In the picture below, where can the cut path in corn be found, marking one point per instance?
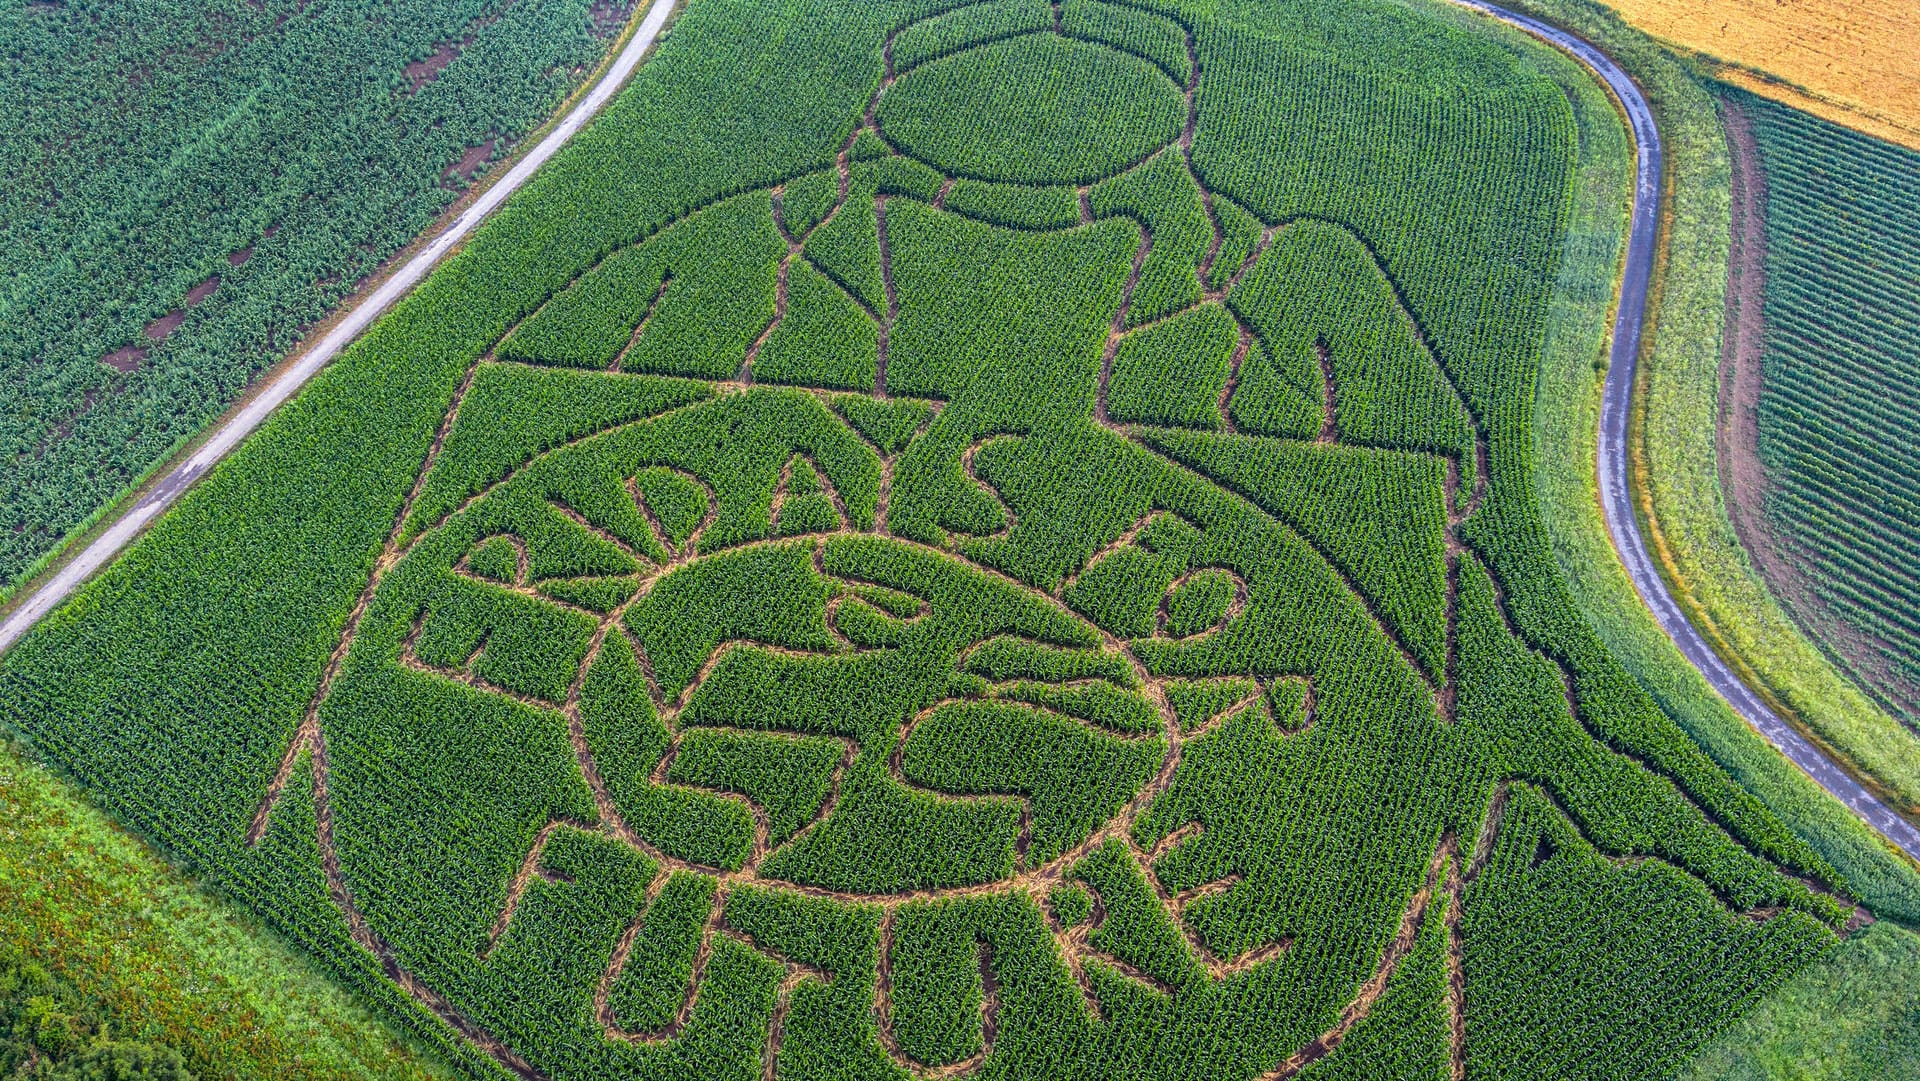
(1616, 499)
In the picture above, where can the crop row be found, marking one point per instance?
(190, 190)
(1835, 415)
(832, 805)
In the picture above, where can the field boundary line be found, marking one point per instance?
(355, 321)
(1611, 465)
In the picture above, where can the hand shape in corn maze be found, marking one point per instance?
(990, 524)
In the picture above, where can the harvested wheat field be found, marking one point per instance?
(1854, 62)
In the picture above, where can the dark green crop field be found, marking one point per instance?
(191, 185)
(946, 540)
(1841, 392)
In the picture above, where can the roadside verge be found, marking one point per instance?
(1568, 399)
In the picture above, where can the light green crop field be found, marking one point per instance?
(1834, 415)
(165, 962)
(821, 586)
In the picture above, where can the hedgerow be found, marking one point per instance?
(991, 711)
(49, 1030)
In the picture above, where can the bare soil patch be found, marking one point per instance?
(421, 72)
(608, 16)
(126, 358)
(202, 291)
(470, 163)
(1737, 436)
(160, 328)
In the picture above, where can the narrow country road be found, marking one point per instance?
(1612, 464)
(357, 319)
(1615, 408)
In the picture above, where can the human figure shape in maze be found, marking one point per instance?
(996, 512)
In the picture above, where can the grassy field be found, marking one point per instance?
(1849, 61)
(191, 188)
(819, 584)
(1852, 1015)
(165, 961)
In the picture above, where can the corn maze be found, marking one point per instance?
(1029, 570)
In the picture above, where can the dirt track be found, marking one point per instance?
(1617, 406)
(230, 434)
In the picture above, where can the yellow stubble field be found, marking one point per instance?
(1855, 62)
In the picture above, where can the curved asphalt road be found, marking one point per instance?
(1612, 465)
(1613, 418)
(229, 435)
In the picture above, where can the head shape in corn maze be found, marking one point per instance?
(988, 602)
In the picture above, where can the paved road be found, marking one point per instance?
(1617, 404)
(1613, 419)
(122, 532)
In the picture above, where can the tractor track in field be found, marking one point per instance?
(228, 436)
(1616, 409)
